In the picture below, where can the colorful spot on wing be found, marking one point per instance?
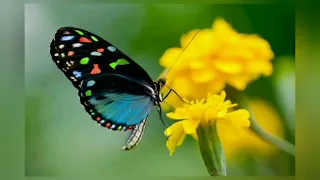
(94, 38)
(76, 74)
(113, 126)
(84, 61)
(111, 48)
(108, 125)
(96, 69)
(100, 50)
(88, 93)
(118, 62)
(70, 53)
(56, 54)
(90, 83)
(91, 110)
(98, 118)
(62, 55)
(85, 40)
(120, 127)
(67, 38)
(94, 53)
(61, 46)
(79, 32)
(75, 45)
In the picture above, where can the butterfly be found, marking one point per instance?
(113, 89)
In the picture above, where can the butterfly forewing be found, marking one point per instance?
(113, 89)
(79, 54)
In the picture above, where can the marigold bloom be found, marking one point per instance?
(217, 56)
(215, 109)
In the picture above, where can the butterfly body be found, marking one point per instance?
(113, 89)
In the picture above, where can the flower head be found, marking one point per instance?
(215, 109)
(217, 56)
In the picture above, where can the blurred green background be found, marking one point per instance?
(61, 138)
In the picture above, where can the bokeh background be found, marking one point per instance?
(62, 140)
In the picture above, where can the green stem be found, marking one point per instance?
(211, 149)
(271, 139)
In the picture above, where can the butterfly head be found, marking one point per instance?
(158, 87)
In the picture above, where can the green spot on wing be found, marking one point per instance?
(88, 93)
(84, 60)
(94, 38)
(63, 55)
(79, 32)
(118, 62)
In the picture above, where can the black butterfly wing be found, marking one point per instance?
(113, 89)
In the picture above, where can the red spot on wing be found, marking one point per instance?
(100, 50)
(98, 118)
(85, 40)
(108, 125)
(96, 69)
(70, 53)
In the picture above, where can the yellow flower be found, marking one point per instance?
(268, 119)
(215, 109)
(217, 56)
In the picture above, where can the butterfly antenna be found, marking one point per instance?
(168, 70)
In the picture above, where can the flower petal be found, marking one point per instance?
(176, 136)
(228, 66)
(239, 117)
(190, 126)
(179, 114)
(169, 57)
(203, 75)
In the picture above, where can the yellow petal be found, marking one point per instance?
(169, 57)
(183, 85)
(260, 67)
(222, 28)
(198, 63)
(240, 82)
(202, 44)
(239, 117)
(179, 114)
(190, 126)
(202, 75)
(194, 135)
(228, 66)
(176, 136)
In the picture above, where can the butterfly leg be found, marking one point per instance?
(160, 114)
(172, 90)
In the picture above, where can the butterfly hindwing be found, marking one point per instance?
(113, 89)
(114, 107)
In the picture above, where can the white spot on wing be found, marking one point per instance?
(111, 48)
(94, 53)
(75, 45)
(90, 83)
